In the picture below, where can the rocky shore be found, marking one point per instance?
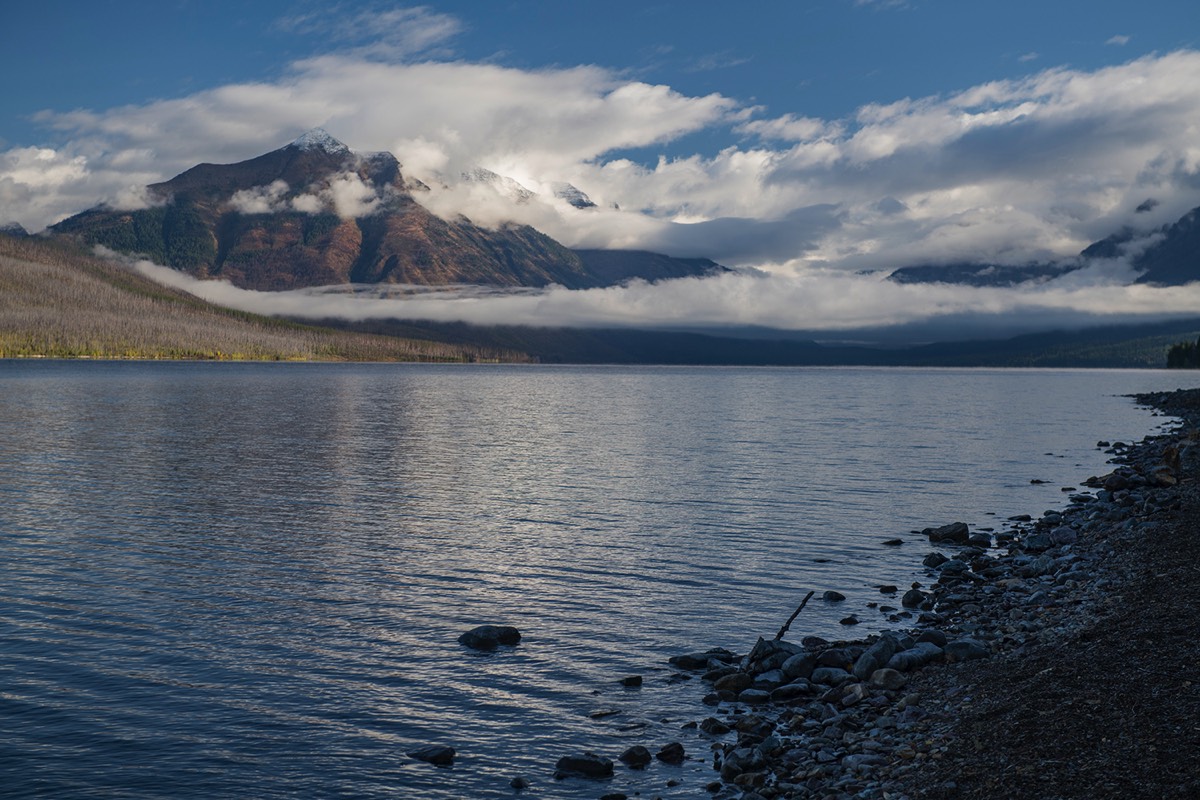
(1055, 658)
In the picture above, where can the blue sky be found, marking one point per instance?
(794, 139)
(821, 58)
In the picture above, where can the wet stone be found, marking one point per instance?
(636, 757)
(587, 765)
(754, 697)
(489, 637)
(437, 755)
(672, 753)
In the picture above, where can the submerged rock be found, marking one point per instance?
(587, 765)
(489, 637)
(438, 755)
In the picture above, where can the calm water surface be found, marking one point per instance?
(248, 580)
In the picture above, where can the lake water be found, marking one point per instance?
(240, 580)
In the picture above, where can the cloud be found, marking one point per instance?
(814, 301)
(1027, 57)
(791, 128)
(1119, 40)
(1006, 171)
(379, 32)
(260, 199)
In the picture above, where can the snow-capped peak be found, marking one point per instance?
(503, 184)
(319, 139)
(565, 191)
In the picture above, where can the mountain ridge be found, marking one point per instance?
(316, 213)
(1171, 258)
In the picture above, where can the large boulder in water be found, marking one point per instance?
(954, 533)
(587, 765)
(488, 637)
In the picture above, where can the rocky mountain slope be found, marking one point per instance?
(316, 213)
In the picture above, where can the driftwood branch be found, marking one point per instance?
(792, 618)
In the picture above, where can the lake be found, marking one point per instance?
(247, 580)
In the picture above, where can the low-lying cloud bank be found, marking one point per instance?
(816, 301)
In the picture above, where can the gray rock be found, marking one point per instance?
(833, 597)
(672, 753)
(1063, 535)
(588, 765)
(438, 755)
(913, 598)
(631, 682)
(934, 636)
(800, 665)
(519, 783)
(861, 761)
(698, 661)
(1038, 542)
(710, 725)
(875, 657)
(488, 637)
(1116, 482)
(714, 675)
(955, 533)
(855, 694)
(954, 567)
(772, 679)
(830, 676)
(754, 697)
(965, 650)
(741, 760)
(736, 682)
(637, 757)
(915, 657)
(1042, 565)
(934, 560)
(800, 690)
(889, 679)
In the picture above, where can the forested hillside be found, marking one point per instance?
(59, 302)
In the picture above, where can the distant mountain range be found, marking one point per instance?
(315, 213)
(1172, 258)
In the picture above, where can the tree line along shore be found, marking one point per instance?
(57, 301)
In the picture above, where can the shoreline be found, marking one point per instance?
(1011, 683)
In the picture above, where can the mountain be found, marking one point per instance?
(1175, 259)
(1172, 259)
(574, 196)
(316, 213)
(969, 274)
(618, 266)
